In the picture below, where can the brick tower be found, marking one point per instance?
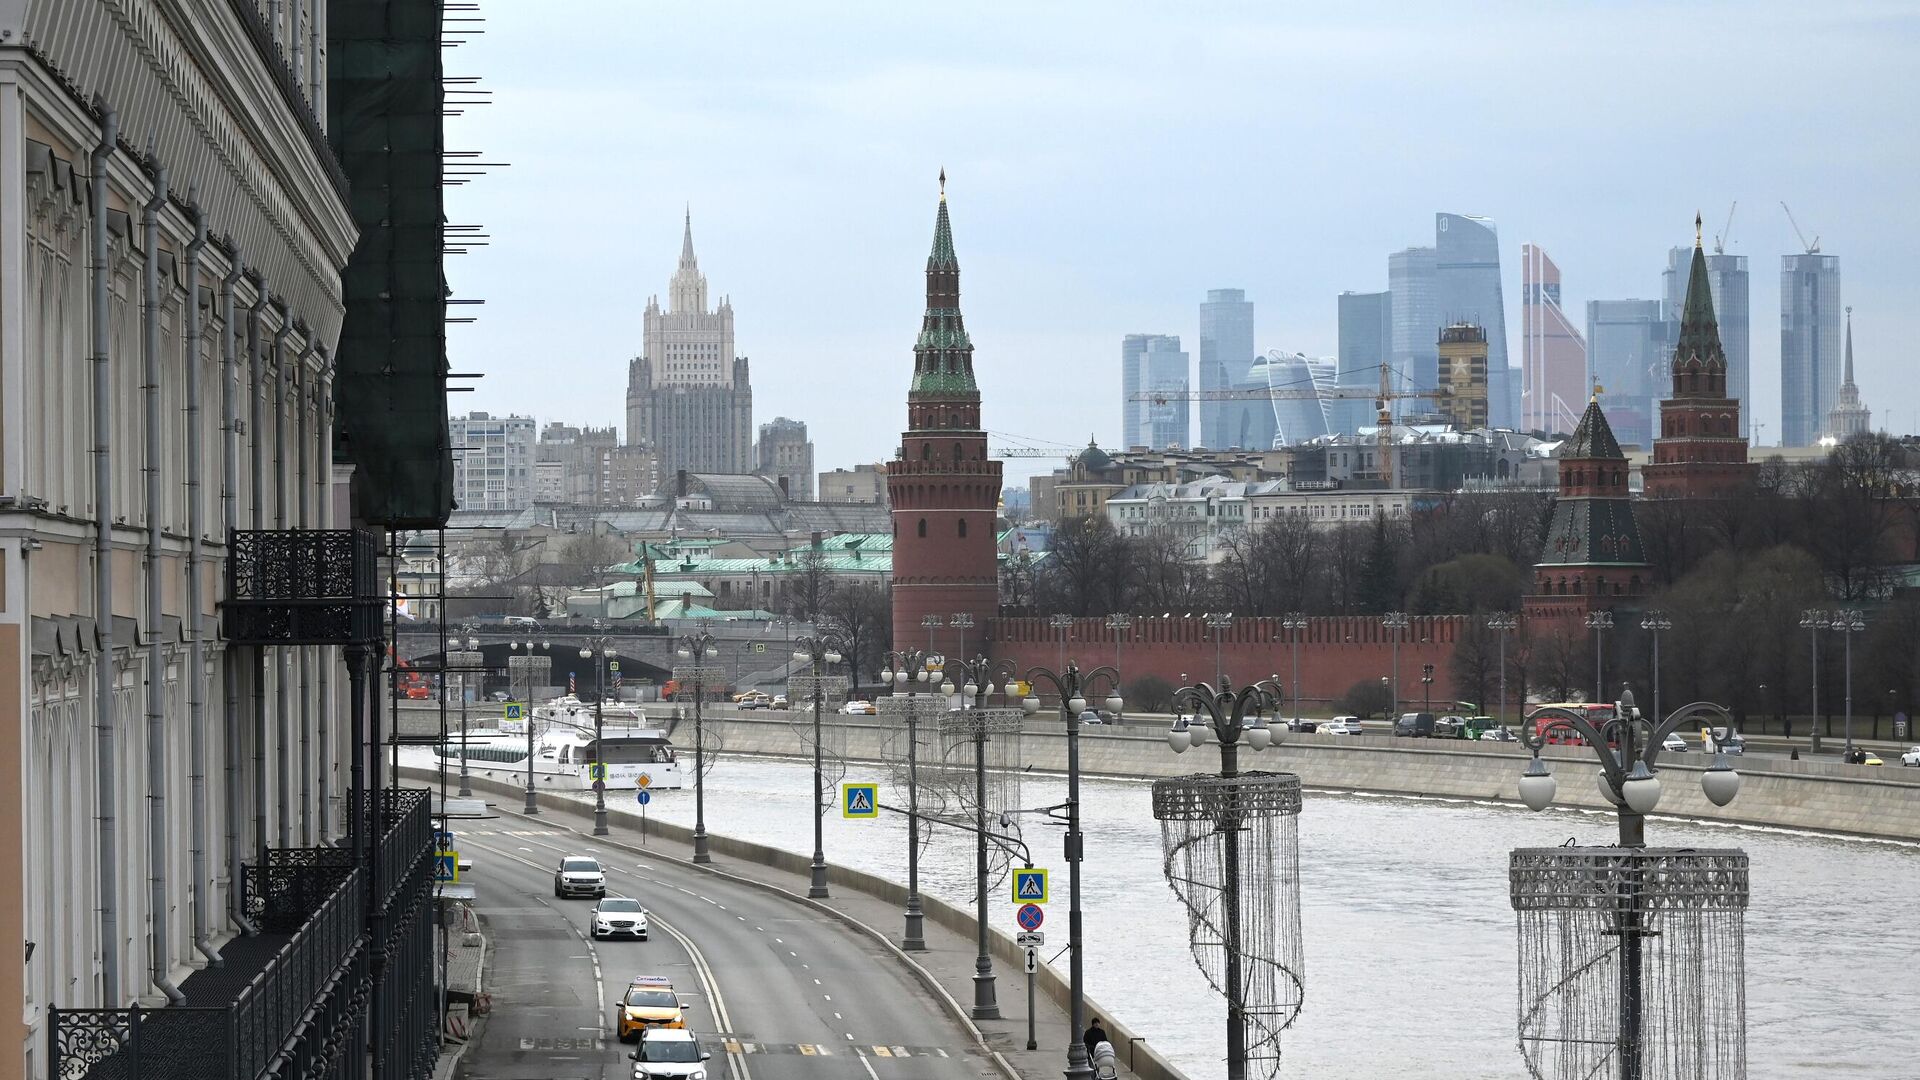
(1592, 558)
(1700, 452)
(944, 488)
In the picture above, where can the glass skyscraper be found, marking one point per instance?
(1226, 362)
(1810, 349)
(1467, 278)
(1727, 277)
(1414, 298)
(1366, 338)
(1628, 355)
(1297, 419)
(1150, 362)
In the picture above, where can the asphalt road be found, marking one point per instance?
(777, 990)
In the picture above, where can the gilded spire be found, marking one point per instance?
(943, 183)
(1696, 230)
(1848, 378)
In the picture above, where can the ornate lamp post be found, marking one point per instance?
(1062, 623)
(820, 649)
(1503, 623)
(696, 647)
(1119, 624)
(933, 623)
(527, 665)
(1593, 919)
(907, 670)
(1848, 622)
(466, 661)
(979, 725)
(1599, 622)
(1395, 621)
(1072, 685)
(1814, 620)
(962, 622)
(1295, 622)
(1655, 622)
(597, 650)
(1218, 621)
(1249, 950)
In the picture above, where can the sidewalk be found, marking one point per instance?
(948, 962)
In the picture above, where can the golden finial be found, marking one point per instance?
(1696, 228)
(943, 183)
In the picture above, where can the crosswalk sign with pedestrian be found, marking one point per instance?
(860, 800)
(1030, 886)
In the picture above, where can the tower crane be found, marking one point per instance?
(1720, 238)
(1383, 398)
(1812, 248)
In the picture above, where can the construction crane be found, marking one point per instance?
(1032, 451)
(1720, 238)
(1812, 248)
(1383, 398)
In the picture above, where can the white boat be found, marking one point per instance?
(565, 747)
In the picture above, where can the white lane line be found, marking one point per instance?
(762, 929)
(816, 982)
(864, 1063)
(837, 1016)
(829, 997)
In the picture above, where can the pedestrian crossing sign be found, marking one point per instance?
(1029, 886)
(446, 866)
(860, 800)
(597, 771)
(513, 711)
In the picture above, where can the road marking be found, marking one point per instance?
(865, 1064)
(829, 997)
(816, 982)
(837, 1016)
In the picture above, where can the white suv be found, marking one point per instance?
(579, 875)
(1342, 725)
(669, 1052)
(1911, 757)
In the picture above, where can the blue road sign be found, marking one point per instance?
(645, 796)
(446, 866)
(513, 711)
(860, 800)
(1030, 886)
(1030, 916)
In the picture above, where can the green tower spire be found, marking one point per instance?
(943, 354)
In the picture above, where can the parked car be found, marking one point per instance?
(1911, 757)
(618, 916)
(1414, 725)
(579, 875)
(1342, 725)
(1674, 744)
(858, 708)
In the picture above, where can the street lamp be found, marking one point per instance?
(1395, 621)
(695, 647)
(1295, 622)
(819, 649)
(1655, 621)
(1814, 620)
(1218, 621)
(1426, 683)
(933, 623)
(907, 670)
(1205, 821)
(466, 661)
(1503, 623)
(979, 725)
(528, 664)
(1119, 624)
(1599, 622)
(962, 622)
(598, 651)
(1072, 684)
(1690, 900)
(1062, 623)
(1849, 622)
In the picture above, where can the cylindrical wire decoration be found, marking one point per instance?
(925, 710)
(713, 733)
(1632, 962)
(970, 738)
(833, 726)
(1231, 852)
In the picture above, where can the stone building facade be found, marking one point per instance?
(689, 396)
(1700, 451)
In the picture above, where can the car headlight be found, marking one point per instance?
(697, 1074)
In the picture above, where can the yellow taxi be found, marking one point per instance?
(648, 1002)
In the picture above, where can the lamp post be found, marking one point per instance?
(597, 650)
(527, 664)
(933, 623)
(1061, 623)
(962, 622)
(981, 674)
(907, 670)
(1655, 622)
(466, 661)
(820, 649)
(1119, 624)
(695, 647)
(1814, 620)
(1848, 622)
(1426, 683)
(1599, 622)
(1295, 622)
(1706, 883)
(1226, 806)
(1072, 684)
(1503, 623)
(1395, 621)
(1218, 621)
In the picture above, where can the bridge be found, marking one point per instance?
(753, 653)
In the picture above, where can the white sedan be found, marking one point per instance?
(858, 708)
(1674, 744)
(1911, 757)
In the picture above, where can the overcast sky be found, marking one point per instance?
(1110, 162)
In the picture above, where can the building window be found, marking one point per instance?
(963, 528)
(923, 526)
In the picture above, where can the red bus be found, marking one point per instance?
(1591, 713)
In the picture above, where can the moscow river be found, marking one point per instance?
(1410, 939)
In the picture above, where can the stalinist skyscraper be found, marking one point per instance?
(688, 395)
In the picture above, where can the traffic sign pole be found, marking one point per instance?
(1032, 1043)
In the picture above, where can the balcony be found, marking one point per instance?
(302, 587)
(292, 1000)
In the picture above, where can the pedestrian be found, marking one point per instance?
(1094, 1037)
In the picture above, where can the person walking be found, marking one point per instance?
(1094, 1037)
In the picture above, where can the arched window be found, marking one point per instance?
(963, 528)
(956, 451)
(926, 451)
(923, 527)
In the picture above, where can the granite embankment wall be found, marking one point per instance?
(1815, 795)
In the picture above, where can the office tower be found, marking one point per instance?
(1366, 337)
(1727, 276)
(1849, 415)
(1466, 265)
(1297, 418)
(688, 395)
(1226, 361)
(1810, 350)
(1149, 363)
(1700, 452)
(1627, 352)
(1463, 374)
(1413, 289)
(786, 457)
(1553, 354)
(492, 461)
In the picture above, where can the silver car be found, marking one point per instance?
(579, 875)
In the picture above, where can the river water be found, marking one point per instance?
(1410, 939)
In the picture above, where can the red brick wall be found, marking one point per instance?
(1335, 651)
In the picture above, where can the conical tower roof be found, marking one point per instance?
(1699, 349)
(1594, 437)
(943, 354)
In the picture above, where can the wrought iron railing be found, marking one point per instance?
(302, 587)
